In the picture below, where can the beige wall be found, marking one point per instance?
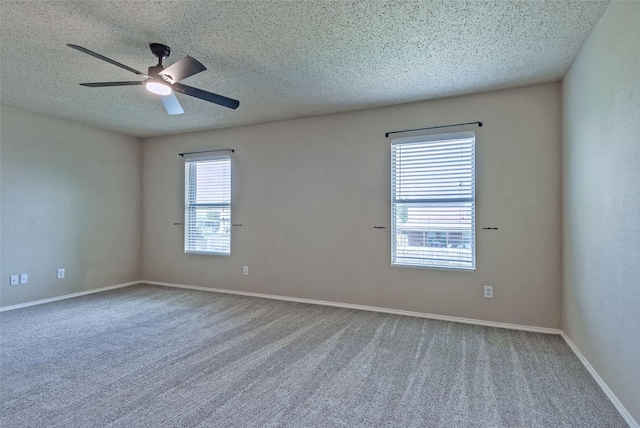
(70, 198)
(309, 192)
(601, 174)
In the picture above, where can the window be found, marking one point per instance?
(207, 205)
(433, 201)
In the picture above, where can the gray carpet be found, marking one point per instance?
(148, 356)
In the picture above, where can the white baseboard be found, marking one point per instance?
(67, 296)
(364, 308)
(605, 388)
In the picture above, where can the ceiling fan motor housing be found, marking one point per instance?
(154, 70)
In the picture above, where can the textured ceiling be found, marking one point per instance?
(281, 59)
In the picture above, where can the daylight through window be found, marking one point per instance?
(208, 205)
(433, 201)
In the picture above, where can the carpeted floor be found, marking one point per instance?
(148, 356)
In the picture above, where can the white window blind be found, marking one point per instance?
(208, 205)
(433, 201)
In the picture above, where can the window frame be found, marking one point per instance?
(190, 206)
(397, 233)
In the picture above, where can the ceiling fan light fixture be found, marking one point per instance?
(158, 88)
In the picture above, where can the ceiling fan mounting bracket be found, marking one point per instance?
(160, 51)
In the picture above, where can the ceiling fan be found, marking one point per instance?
(165, 81)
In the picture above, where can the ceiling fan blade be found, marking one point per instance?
(182, 69)
(104, 84)
(207, 96)
(171, 104)
(104, 58)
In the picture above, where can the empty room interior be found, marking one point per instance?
(284, 239)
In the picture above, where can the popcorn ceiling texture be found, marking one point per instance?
(281, 59)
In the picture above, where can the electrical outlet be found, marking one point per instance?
(245, 270)
(15, 279)
(24, 278)
(488, 291)
(60, 273)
